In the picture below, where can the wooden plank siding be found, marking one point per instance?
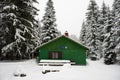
(68, 49)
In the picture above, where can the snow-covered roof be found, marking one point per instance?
(58, 38)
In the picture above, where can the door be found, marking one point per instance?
(55, 55)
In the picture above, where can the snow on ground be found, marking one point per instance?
(94, 70)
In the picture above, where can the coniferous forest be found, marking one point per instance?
(101, 32)
(21, 32)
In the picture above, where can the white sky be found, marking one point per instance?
(70, 13)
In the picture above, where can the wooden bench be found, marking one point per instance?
(54, 62)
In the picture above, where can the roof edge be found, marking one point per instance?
(48, 42)
(76, 42)
(58, 38)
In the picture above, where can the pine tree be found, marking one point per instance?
(6, 32)
(83, 34)
(49, 30)
(38, 31)
(92, 30)
(101, 21)
(6, 21)
(108, 43)
(17, 16)
(116, 30)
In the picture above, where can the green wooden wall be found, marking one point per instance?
(70, 50)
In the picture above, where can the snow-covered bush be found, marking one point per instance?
(110, 58)
(93, 56)
(22, 75)
(19, 72)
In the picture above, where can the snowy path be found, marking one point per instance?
(95, 70)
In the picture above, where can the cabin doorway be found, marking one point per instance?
(55, 55)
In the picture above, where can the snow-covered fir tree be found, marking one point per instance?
(6, 32)
(17, 18)
(83, 34)
(37, 33)
(116, 30)
(92, 41)
(49, 27)
(101, 21)
(109, 41)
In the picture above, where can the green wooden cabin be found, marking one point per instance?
(63, 48)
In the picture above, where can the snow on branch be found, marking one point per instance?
(47, 37)
(7, 48)
(18, 34)
(6, 7)
(27, 3)
(11, 15)
(117, 48)
(10, 7)
(15, 21)
(26, 29)
(14, 6)
(27, 21)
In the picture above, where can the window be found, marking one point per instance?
(55, 55)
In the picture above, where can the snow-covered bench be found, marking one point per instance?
(54, 62)
(54, 65)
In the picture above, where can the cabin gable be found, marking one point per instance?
(65, 49)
